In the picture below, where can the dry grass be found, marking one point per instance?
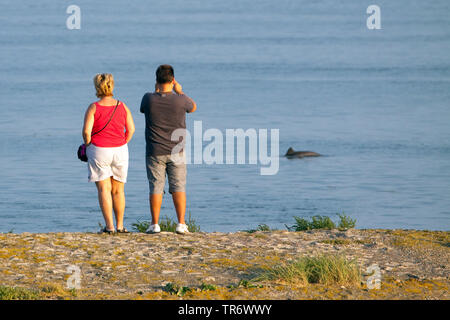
(420, 238)
(324, 269)
(345, 242)
(15, 293)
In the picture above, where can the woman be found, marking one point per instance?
(108, 127)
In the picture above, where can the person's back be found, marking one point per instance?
(108, 127)
(165, 111)
(110, 123)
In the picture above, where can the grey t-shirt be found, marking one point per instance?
(164, 113)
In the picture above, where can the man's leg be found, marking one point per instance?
(118, 200)
(155, 206)
(105, 201)
(176, 172)
(179, 201)
(156, 174)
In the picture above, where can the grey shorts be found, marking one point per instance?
(157, 166)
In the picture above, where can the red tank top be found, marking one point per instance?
(114, 133)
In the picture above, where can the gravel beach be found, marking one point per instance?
(413, 264)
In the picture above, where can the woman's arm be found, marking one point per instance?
(129, 125)
(88, 124)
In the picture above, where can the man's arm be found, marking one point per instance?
(144, 102)
(193, 104)
(179, 90)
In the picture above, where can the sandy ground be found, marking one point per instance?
(413, 264)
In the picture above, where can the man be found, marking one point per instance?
(165, 111)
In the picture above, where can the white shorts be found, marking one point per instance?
(104, 163)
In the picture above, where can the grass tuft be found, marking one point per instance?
(322, 222)
(14, 293)
(176, 289)
(317, 222)
(208, 287)
(345, 222)
(261, 227)
(140, 226)
(167, 224)
(324, 269)
(245, 284)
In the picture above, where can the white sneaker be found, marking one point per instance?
(182, 228)
(154, 228)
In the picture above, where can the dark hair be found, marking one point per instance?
(164, 74)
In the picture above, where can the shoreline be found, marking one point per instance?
(413, 264)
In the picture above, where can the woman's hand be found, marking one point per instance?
(129, 125)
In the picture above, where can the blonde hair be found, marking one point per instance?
(104, 84)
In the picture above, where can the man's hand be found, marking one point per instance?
(177, 87)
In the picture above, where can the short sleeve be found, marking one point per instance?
(144, 103)
(188, 104)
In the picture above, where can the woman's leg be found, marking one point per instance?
(118, 199)
(105, 201)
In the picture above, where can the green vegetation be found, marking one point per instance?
(261, 227)
(346, 242)
(176, 289)
(322, 222)
(317, 222)
(166, 224)
(248, 284)
(14, 293)
(245, 284)
(180, 291)
(140, 226)
(73, 292)
(208, 287)
(324, 269)
(345, 222)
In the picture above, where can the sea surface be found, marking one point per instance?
(375, 103)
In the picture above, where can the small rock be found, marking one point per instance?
(168, 272)
(341, 235)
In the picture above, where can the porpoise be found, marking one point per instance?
(292, 154)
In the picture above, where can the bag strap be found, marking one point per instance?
(108, 120)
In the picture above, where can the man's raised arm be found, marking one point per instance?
(179, 90)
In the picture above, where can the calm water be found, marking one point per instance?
(376, 103)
